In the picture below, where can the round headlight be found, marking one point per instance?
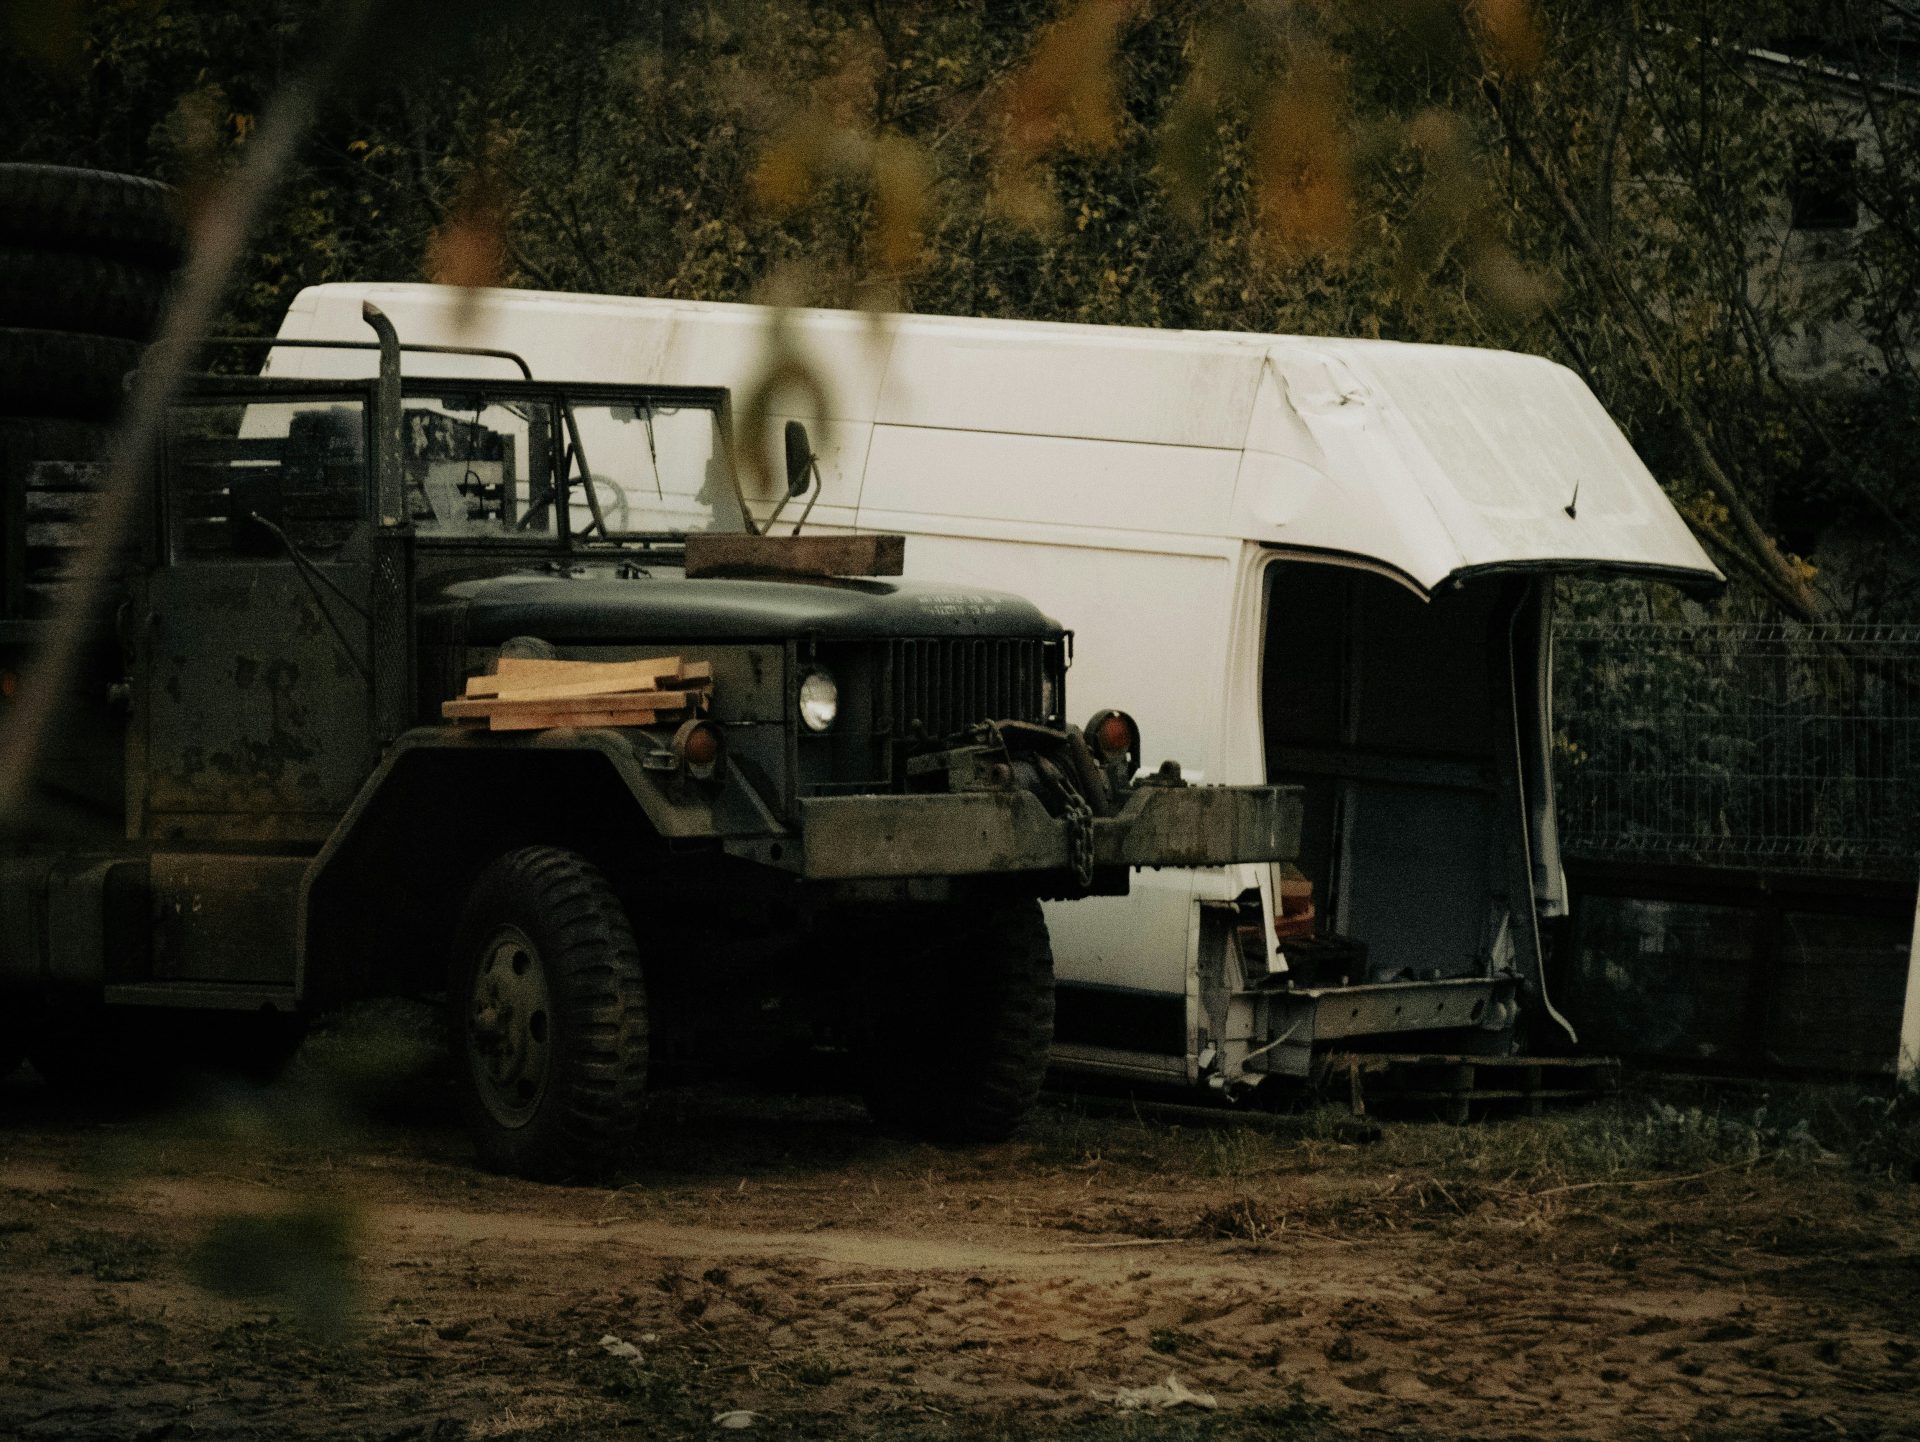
(819, 700)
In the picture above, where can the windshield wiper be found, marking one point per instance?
(653, 455)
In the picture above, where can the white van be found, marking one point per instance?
(1325, 562)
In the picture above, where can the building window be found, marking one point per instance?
(1822, 189)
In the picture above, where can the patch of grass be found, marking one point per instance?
(1402, 1201)
(534, 1416)
(1666, 1126)
(272, 1344)
(1061, 1138)
(1296, 1420)
(105, 1256)
(1881, 1132)
(303, 1256)
(1232, 1154)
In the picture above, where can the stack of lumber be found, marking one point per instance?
(525, 694)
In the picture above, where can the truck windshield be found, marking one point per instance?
(484, 465)
(654, 468)
(479, 467)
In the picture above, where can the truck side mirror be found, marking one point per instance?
(799, 458)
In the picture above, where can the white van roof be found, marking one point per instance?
(1437, 462)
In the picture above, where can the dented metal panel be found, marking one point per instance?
(1201, 826)
(252, 703)
(977, 832)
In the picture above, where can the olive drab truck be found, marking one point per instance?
(447, 676)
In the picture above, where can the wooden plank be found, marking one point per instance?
(526, 678)
(1498, 1094)
(712, 554)
(1382, 1061)
(636, 702)
(537, 720)
(615, 675)
(562, 690)
(540, 666)
(575, 690)
(692, 673)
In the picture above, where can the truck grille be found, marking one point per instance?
(937, 687)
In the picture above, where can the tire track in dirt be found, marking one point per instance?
(898, 1297)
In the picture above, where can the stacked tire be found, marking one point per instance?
(85, 261)
(86, 258)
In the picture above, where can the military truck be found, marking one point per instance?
(850, 841)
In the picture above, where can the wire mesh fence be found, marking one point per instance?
(1779, 746)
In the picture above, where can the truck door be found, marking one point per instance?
(252, 680)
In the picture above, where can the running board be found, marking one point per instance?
(202, 995)
(1141, 1066)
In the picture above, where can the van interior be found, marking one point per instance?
(1396, 714)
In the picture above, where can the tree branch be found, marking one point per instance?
(1638, 326)
(1602, 206)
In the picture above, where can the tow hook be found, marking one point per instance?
(1167, 775)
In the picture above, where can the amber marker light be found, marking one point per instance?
(699, 747)
(1114, 734)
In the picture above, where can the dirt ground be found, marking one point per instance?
(254, 1266)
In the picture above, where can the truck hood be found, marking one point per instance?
(597, 604)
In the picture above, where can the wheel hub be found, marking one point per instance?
(509, 1030)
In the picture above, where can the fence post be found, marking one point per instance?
(1907, 1068)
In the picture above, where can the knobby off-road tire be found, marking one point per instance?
(25, 440)
(100, 1055)
(13, 1040)
(959, 1020)
(549, 1016)
(93, 294)
(98, 212)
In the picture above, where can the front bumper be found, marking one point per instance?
(845, 838)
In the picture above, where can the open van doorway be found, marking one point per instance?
(1402, 718)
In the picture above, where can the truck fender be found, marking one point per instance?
(376, 902)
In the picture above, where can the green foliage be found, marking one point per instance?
(1885, 1131)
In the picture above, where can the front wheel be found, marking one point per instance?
(958, 1019)
(549, 1016)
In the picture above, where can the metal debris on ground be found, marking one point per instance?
(1162, 1395)
(615, 1347)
